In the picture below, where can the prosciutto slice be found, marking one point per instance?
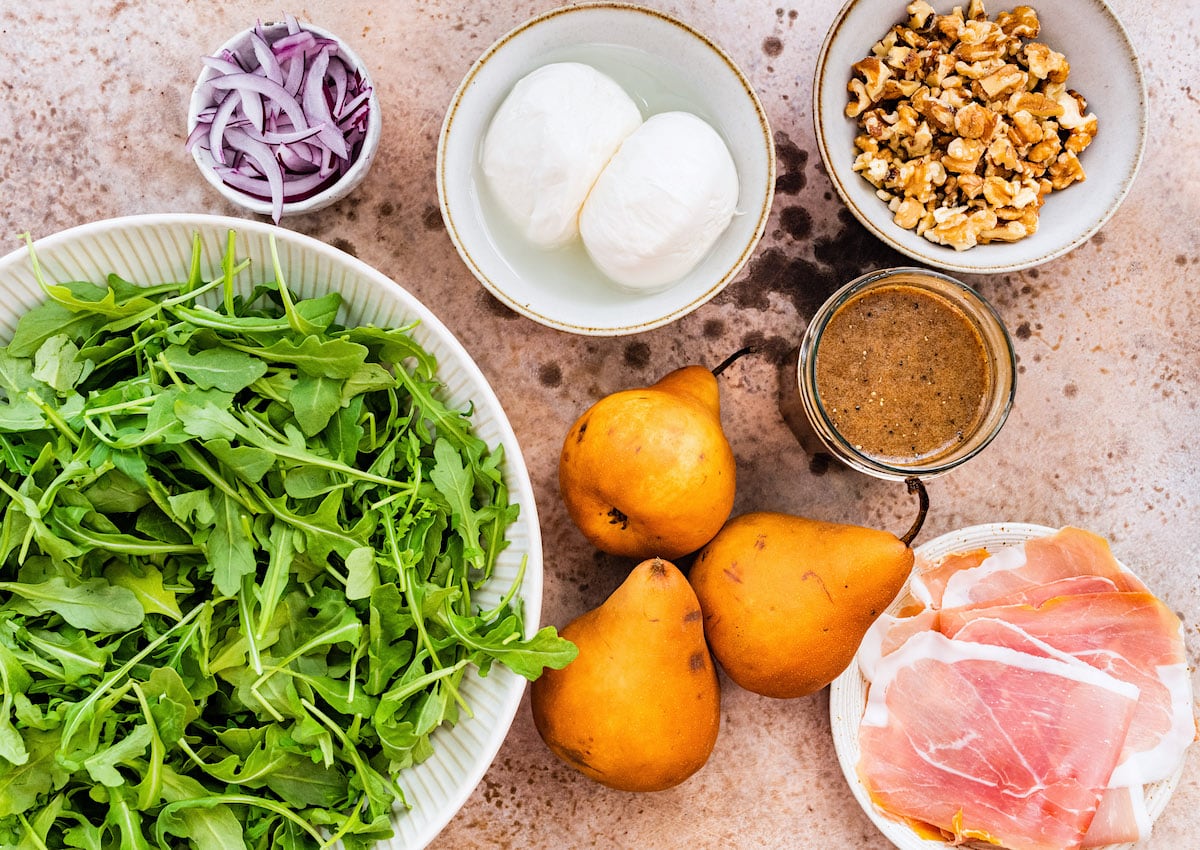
(985, 742)
(1121, 819)
(1024, 572)
(1131, 636)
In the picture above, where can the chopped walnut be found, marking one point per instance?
(966, 123)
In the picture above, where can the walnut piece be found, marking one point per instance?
(967, 123)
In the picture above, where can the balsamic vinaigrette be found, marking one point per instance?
(902, 373)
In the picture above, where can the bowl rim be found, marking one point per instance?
(878, 225)
(510, 687)
(461, 244)
(331, 193)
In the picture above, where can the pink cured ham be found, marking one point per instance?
(1121, 819)
(888, 633)
(1131, 636)
(929, 577)
(985, 742)
(1021, 573)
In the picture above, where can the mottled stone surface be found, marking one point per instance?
(1103, 434)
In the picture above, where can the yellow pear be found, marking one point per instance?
(640, 706)
(787, 600)
(649, 472)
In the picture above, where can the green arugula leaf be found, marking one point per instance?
(215, 368)
(94, 605)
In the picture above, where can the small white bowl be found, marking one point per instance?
(664, 64)
(1104, 69)
(350, 179)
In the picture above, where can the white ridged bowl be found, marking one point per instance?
(155, 248)
(848, 695)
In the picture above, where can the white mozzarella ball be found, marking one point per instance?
(549, 140)
(666, 196)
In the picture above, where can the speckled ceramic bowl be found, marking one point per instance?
(664, 64)
(1104, 68)
(240, 46)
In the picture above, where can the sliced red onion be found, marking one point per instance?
(297, 158)
(266, 58)
(298, 186)
(315, 105)
(278, 137)
(290, 125)
(220, 122)
(264, 159)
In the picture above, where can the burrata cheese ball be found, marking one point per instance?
(548, 142)
(662, 202)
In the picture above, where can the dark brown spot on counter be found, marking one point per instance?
(797, 222)
(772, 46)
(1023, 331)
(637, 355)
(1070, 390)
(495, 306)
(550, 375)
(791, 159)
(344, 245)
(432, 217)
(713, 328)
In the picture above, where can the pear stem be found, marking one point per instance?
(729, 361)
(915, 486)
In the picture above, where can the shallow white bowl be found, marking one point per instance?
(848, 694)
(348, 182)
(1104, 69)
(156, 248)
(664, 64)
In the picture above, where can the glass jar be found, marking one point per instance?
(906, 372)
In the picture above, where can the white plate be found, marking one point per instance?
(156, 248)
(848, 694)
(663, 64)
(1104, 69)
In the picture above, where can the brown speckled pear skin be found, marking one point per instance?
(649, 472)
(640, 706)
(787, 600)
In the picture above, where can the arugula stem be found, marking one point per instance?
(240, 800)
(243, 600)
(36, 841)
(311, 459)
(152, 786)
(77, 711)
(415, 686)
(509, 594)
(201, 465)
(54, 418)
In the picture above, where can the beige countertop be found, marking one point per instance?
(1103, 434)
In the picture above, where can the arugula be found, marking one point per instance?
(239, 545)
